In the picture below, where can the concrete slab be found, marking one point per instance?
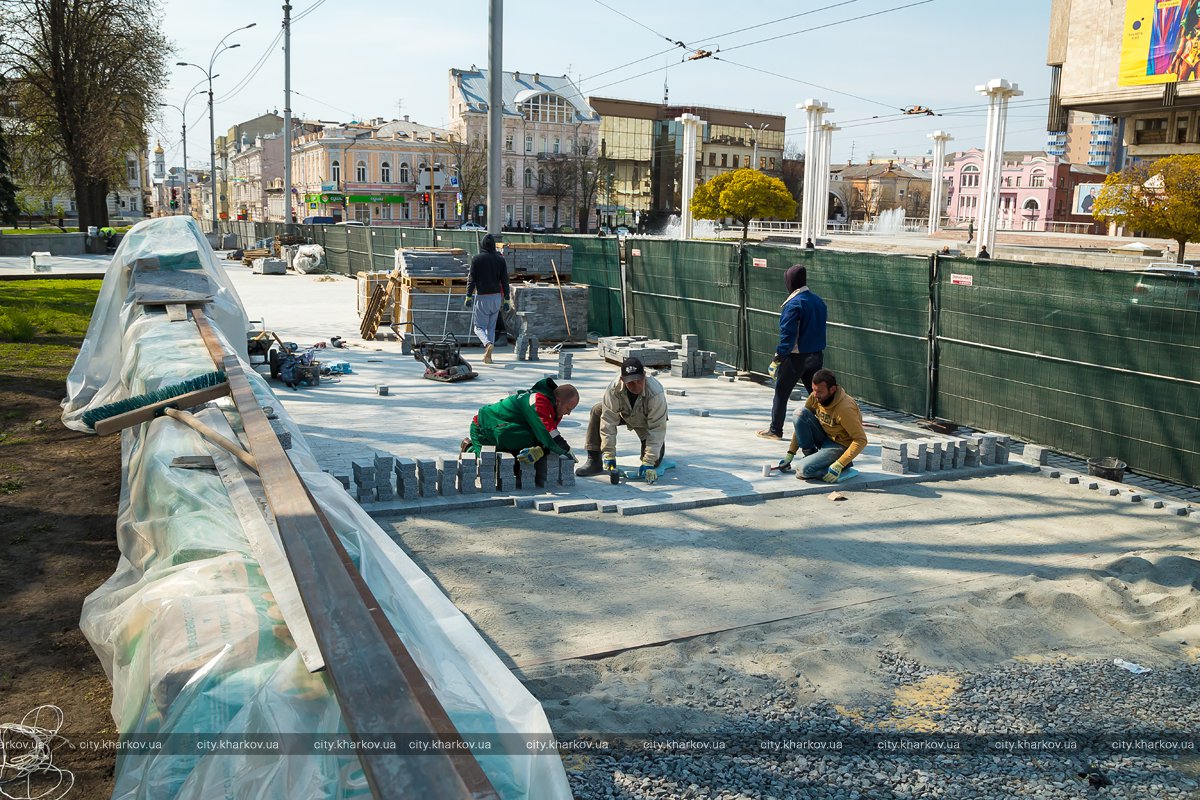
(542, 590)
(82, 266)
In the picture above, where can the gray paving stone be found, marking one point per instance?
(505, 480)
(1051, 472)
(571, 506)
(544, 505)
(1035, 454)
(566, 471)
(468, 473)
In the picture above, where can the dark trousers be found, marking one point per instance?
(794, 368)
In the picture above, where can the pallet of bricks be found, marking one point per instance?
(536, 261)
(432, 283)
(547, 307)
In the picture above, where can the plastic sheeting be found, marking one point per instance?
(187, 628)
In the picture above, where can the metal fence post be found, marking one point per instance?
(934, 314)
(743, 326)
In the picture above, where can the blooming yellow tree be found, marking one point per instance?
(743, 194)
(1161, 198)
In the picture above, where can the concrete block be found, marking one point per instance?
(566, 471)
(1092, 484)
(608, 508)
(506, 481)
(987, 449)
(1036, 454)
(571, 506)
(544, 505)
(427, 477)
(690, 342)
(1111, 491)
(384, 464)
(406, 343)
(698, 412)
(1002, 450)
(1179, 511)
(381, 390)
(468, 473)
(677, 392)
(1072, 480)
(344, 480)
(948, 450)
(487, 469)
(364, 471)
(364, 495)
(974, 443)
(895, 467)
(525, 476)
(408, 487)
(1050, 472)
(1132, 497)
(385, 492)
(534, 346)
(447, 476)
(934, 449)
(523, 502)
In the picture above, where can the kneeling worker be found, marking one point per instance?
(828, 430)
(639, 403)
(526, 424)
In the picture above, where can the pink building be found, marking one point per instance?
(1035, 191)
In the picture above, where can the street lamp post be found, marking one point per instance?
(212, 132)
(183, 113)
(754, 140)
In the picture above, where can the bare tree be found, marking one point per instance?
(588, 170)
(557, 180)
(470, 160)
(87, 75)
(793, 172)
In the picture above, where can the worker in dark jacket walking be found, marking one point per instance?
(487, 291)
(800, 352)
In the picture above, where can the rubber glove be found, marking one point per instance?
(468, 300)
(835, 472)
(530, 454)
(507, 304)
(785, 463)
(650, 474)
(771, 370)
(609, 463)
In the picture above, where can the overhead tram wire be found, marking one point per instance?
(828, 25)
(635, 22)
(322, 102)
(717, 57)
(717, 36)
(307, 11)
(262, 62)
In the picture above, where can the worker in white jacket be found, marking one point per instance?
(638, 402)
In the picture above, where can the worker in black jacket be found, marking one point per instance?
(488, 280)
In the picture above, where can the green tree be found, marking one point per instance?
(87, 76)
(9, 210)
(1161, 198)
(743, 194)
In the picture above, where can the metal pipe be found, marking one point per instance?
(288, 216)
(496, 113)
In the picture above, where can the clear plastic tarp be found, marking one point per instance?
(188, 629)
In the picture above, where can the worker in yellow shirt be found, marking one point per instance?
(828, 432)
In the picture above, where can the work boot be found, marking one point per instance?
(464, 445)
(487, 354)
(592, 467)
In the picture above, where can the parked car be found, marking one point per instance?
(622, 231)
(1168, 286)
(537, 228)
(472, 226)
(353, 223)
(318, 221)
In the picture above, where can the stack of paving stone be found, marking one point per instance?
(527, 347)
(533, 259)
(691, 361)
(652, 352)
(934, 455)
(432, 262)
(373, 478)
(538, 311)
(565, 365)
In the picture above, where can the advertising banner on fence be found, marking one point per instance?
(1160, 43)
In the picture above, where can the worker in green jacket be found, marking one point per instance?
(526, 424)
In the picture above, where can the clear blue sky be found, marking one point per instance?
(358, 61)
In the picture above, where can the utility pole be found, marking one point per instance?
(495, 113)
(287, 113)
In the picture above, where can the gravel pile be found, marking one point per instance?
(1095, 704)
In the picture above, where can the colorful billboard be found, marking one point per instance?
(1161, 42)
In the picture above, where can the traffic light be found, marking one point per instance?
(425, 198)
(174, 198)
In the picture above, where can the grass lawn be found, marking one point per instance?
(42, 324)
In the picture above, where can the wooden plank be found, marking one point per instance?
(363, 663)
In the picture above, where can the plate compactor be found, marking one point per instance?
(442, 359)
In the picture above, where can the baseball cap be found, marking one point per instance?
(632, 369)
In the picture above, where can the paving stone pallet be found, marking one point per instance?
(685, 359)
(426, 262)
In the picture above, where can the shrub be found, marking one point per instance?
(16, 326)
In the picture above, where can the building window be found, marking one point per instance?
(724, 159)
(712, 159)
(541, 184)
(762, 162)
(737, 160)
(1018, 181)
(1150, 131)
(404, 212)
(557, 145)
(970, 176)
(529, 143)
(771, 161)
(441, 210)
(528, 178)
(508, 141)
(508, 211)
(404, 172)
(385, 172)
(337, 172)
(360, 172)
(542, 149)
(1037, 180)
(131, 167)
(508, 177)
(1181, 130)
(548, 108)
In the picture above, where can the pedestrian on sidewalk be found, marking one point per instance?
(487, 292)
(800, 352)
(828, 431)
(970, 231)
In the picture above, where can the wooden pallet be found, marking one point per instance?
(248, 256)
(380, 297)
(432, 280)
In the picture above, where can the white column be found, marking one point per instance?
(815, 110)
(691, 127)
(821, 201)
(936, 190)
(998, 92)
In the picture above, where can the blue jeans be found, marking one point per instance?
(811, 436)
